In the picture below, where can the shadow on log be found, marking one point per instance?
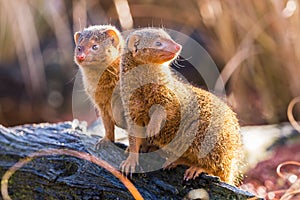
(68, 177)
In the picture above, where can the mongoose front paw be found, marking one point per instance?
(103, 142)
(128, 165)
(192, 173)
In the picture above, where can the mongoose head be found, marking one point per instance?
(152, 45)
(96, 45)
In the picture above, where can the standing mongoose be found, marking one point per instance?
(97, 53)
(192, 126)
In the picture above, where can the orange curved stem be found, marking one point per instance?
(4, 182)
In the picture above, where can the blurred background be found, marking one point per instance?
(254, 44)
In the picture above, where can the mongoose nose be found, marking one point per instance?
(177, 47)
(81, 57)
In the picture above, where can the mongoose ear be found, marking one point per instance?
(76, 37)
(132, 43)
(114, 36)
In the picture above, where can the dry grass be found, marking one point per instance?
(254, 43)
(260, 38)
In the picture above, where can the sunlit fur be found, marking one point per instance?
(218, 123)
(100, 72)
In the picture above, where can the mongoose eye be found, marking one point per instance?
(95, 47)
(158, 43)
(79, 49)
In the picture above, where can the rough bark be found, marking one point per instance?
(68, 177)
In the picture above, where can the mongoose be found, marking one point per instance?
(191, 125)
(97, 53)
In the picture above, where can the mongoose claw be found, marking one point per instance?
(192, 173)
(103, 142)
(129, 165)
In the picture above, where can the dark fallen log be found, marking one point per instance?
(68, 177)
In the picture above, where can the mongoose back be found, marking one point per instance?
(97, 53)
(192, 120)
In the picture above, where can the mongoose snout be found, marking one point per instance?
(80, 57)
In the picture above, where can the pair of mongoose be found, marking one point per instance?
(156, 106)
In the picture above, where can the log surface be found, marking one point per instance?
(68, 177)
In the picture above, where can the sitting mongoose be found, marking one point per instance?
(97, 53)
(191, 125)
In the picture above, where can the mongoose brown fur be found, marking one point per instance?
(97, 53)
(194, 128)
